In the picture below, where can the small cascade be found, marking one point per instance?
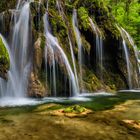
(2, 81)
(19, 4)
(63, 66)
(130, 39)
(61, 12)
(52, 46)
(79, 43)
(2, 87)
(20, 63)
(99, 48)
(74, 65)
(128, 63)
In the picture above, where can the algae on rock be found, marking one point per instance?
(4, 59)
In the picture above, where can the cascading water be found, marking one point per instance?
(79, 43)
(61, 12)
(99, 47)
(128, 63)
(19, 51)
(17, 83)
(53, 45)
(19, 4)
(2, 81)
(133, 45)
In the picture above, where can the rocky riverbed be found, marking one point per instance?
(118, 119)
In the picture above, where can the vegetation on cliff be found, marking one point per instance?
(4, 59)
(127, 13)
(105, 15)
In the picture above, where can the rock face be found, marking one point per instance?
(114, 70)
(37, 55)
(4, 5)
(35, 89)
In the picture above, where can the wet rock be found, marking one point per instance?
(4, 5)
(37, 55)
(35, 89)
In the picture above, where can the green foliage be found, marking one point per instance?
(43, 42)
(58, 25)
(84, 18)
(127, 13)
(6, 5)
(37, 16)
(4, 56)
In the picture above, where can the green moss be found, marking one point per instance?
(37, 10)
(43, 41)
(91, 82)
(69, 7)
(74, 109)
(4, 5)
(58, 25)
(86, 45)
(84, 18)
(4, 56)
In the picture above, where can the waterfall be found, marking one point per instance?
(130, 39)
(74, 65)
(61, 12)
(79, 43)
(17, 83)
(99, 47)
(2, 81)
(53, 45)
(128, 63)
(2, 87)
(18, 4)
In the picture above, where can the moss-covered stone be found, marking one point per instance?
(83, 17)
(4, 59)
(74, 109)
(4, 5)
(37, 12)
